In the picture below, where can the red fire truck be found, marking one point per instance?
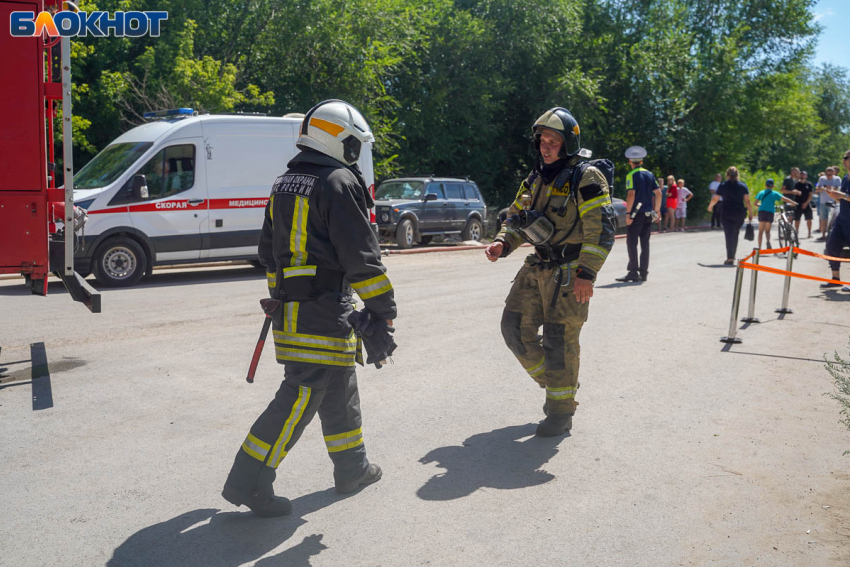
(38, 223)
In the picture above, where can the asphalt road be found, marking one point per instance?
(683, 452)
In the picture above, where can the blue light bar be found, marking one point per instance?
(170, 112)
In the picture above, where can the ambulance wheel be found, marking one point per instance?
(404, 234)
(119, 262)
(473, 231)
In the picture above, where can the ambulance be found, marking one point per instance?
(183, 189)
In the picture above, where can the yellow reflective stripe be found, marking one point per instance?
(585, 211)
(271, 208)
(560, 393)
(329, 343)
(256, 447)
(313, 356)
(279, 451)
(538, 368)
(592, 204)
(299, 271)
(271, 278)
(298, 233)
(290, 316)
(343, 441)
(595, 250)
(348, 445)
(373, 287)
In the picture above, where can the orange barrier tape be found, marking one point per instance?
(750, 266)
(753, 253)
(816, 255)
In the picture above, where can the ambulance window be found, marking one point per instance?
(436, 189)
(169, 172)
(454, 191)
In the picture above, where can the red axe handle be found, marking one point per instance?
(258, 350)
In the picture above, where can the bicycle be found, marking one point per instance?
(785, 226)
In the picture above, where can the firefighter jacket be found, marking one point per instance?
(318, 247)
(582, 217)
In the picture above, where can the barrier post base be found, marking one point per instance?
(731, 340)
(784, 311)
(750, 320)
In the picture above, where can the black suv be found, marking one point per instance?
(414, 209)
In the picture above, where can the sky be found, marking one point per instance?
(834, 42)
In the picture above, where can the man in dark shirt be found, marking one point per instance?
(839, 236)
(804, 200)
(642, 201)
(789, 184)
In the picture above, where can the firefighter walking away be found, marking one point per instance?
(318, 248)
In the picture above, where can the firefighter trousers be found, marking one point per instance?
(305, 390)
(552, 359)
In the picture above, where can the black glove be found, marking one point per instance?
(376, 335)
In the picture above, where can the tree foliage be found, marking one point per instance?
(451, 87)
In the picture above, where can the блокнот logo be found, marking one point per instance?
(81, 24)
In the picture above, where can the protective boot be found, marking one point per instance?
(373, 474)
(555, 424)
(263, 502)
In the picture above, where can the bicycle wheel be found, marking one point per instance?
(783, 238)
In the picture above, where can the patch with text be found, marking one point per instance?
(295, 184)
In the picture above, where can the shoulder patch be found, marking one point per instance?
(590, 191)
(298, 184)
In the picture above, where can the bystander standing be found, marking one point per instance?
(736, 205)
(685, 195)
(804, 203)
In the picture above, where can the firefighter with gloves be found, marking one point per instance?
(318, 247)
(564, 209)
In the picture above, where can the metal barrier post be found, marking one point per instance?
(784, 309)
(751, 318)
(736, 302)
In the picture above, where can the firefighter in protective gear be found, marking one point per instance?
(318, 248)
(554, 286)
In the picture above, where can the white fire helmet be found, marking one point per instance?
(336, 129)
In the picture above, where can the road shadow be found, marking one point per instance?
(832, 295)
(208, 537)
(619, 284)
(700, 264)
(497, 459)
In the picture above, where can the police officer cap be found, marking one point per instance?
(635, 152)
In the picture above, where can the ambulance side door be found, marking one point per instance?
(174, 215)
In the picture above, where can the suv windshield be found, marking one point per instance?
(109, 164)
(400, 190)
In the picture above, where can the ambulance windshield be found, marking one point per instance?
(109, 164)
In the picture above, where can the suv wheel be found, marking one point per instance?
(474, 230)
(119, 262)
(404, 234)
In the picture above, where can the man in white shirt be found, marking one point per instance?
(712, 188)
(825, 202)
